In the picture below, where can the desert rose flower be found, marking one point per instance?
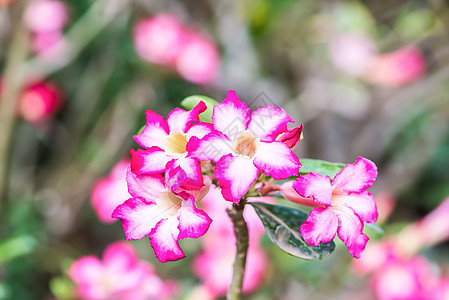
(345, 205)
(243, 144)
(159, 39)
(118, 276)
(162, 215)
(110, 191)
(198, 60)
(39, 102)
(165, 147)
(46, 16)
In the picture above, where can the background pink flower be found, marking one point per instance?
(110, 191)
(120, 275)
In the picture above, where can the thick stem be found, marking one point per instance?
(242, 242)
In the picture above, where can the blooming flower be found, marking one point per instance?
(345, 205)
(163, 215)
(165, 143)
(119, 276)
(244, 143)
(110, 191)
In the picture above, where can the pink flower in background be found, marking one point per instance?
(243, 144)
(164, 40)
(118, 276)
(411, 279)
(110, 191)
(39, 102)
(198, 60)
(159, 39)
(352, 53)
(214, 264)
(431, 230)
(46, 16)
(164, 216)
(397, 68)
(165, 145)
(346, 205)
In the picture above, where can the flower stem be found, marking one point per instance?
(242, 242)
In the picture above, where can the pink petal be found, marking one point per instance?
(363, 206)
(120, 256)
(155, 132)
(289, 193)
(276, 160)
(199, 130)
(320, 227)
(181, 120)
(356, 177)
(193, 222)
(86, 269)
(268, 122)
(138, 217)
(231, 116)
(212, 147)
(150, 161)
(350, 231)
(185, 173)
(148, 187)
(316, 186)
(164, 240)
(235, 176)
(291, 137)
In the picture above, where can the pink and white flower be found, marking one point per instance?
(164, 216)
(165, 147)
(345, 205)
(243, 144)
(43, 16)
(110, 191)
(120, 275)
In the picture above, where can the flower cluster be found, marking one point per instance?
(164, 40)
(238, 152)
(119, 275)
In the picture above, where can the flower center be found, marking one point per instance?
(246, 144)
(176, 143)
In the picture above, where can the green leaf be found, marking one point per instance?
(282, 227)
(16, 247)
(62, 288)
(191, 101)
(373, 231)
(319, 166)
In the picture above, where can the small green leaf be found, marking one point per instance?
(373, 231)
(282, 227)
(319, 166)
(62, 288)
(191, 101)
(140, 129)
(16, 247)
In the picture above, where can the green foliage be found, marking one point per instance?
(191, 101)
(282, 225)
(319, 166)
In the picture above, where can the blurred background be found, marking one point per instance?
(365, 78)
